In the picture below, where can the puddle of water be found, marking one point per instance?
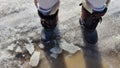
(79, 61)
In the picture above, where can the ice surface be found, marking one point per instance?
(69, 47)
(34, 60)
(30, 48)
(29, 40)
(118, 37)
(56, 50)
(41, 46)
(11, 47)
(18, 49)
(53, 55)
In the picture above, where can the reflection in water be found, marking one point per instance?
(89, 57)
(91, 53)
(52, 62)
(59, 62)
(92, 56)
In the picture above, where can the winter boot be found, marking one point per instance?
(89, 22)
(50, 35)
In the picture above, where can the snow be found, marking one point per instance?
(41, 46)
(69, 47)
(11, 47)
(30, 48)
(18, 49)
(35, 58)
(113, 7)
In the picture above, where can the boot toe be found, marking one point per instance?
(91, 37)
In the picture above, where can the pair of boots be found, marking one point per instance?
(88, 22)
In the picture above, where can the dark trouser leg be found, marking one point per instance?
(89, 22)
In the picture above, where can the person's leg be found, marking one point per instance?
(48, 12)
(90, 17)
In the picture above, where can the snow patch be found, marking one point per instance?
(18, 49)
(11, 47)
(30, 48)
(71, 48)
(118, 37)
(34, 60)
(41, 46)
